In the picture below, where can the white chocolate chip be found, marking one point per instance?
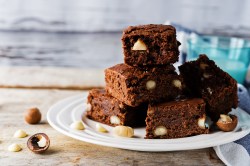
(203, 66)
(114, 120)
(78, 125)
(42, 142)
(201, 122)
(160, 130)
(100, 128)
(14, 148)
(206, 75)
(177, 83)
(225, 118)
(88, 107)
(20, 134)
(139, 45)
(123, 131)
(150, 84)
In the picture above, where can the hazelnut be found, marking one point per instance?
(78, 125)
(14, 148)
(100, 128)
(115, 120)
(123, 131)
(203, 66)
(201, 122)
(227, 122)
(160, 130)
(150, 84)
(38, 143)
(139, 45)
(177, 83)
(20, 134)
(32, 116)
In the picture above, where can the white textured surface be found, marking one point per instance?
(63, 113)
(233, 154)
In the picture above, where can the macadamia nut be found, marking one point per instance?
(78, 125)
(139, 45)
(123, 131)
(100, 128)
(150, 85)
(20, 134)
(201, 122)
(14, 148)
(88, 107)
(160, 130)
(115, 120)
(177, 83)
(33, 116)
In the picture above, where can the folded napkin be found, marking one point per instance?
(237, 153)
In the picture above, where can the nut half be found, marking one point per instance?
(38, 143)
(139, 45)
(123, 131)
(160, 130)
(227, 122)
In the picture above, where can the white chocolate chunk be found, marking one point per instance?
(139, 45)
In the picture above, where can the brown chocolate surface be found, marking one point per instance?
(162, 46)
(129, 84)
(103, 106)
(180, 118)
(203, 78)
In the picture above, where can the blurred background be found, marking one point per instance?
(86, 34)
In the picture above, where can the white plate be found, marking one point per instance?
(63, 113)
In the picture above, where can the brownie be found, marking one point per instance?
(134, 86)
(151, 44)
(109, 110)
(203, 78)
(176, 119)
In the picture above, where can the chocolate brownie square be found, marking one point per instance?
(146, 45)
(109, 110)
(176, 119)
(134, 86)
(203, 78)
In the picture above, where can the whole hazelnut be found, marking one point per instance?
(38, 143)
(227, 122)
(33, 116)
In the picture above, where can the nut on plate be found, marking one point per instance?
(33, 116)
(123, 131)
(77, 125)
(227, 122)
(38, 143)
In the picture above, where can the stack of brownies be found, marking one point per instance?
(145, 88)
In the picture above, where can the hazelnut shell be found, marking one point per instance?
(33, 146)
(33, 116)
(229, 126)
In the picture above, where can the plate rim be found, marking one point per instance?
(83, 95)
